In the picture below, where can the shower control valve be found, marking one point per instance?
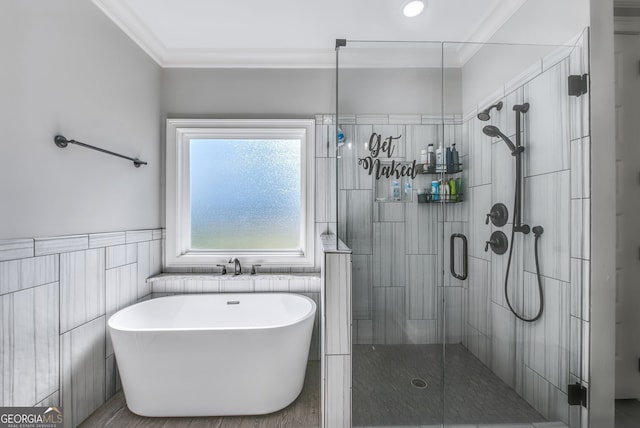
(498, 242)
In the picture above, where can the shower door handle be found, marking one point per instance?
(452, 256)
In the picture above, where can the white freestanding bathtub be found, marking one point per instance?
(213, 354)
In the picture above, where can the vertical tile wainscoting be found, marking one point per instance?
(56, 295)
(540, 359)
(335, 401)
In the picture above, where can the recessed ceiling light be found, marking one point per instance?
(413, 8)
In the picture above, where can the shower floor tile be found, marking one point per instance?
(383, 393)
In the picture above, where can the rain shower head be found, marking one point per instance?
(493, 131)
(484, 114)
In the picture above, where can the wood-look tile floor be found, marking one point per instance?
(302, 413)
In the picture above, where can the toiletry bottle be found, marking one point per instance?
(341, 138)
(449, 159)
(453, 190)
(423, 157)
(444, 191)
(395, 191)
(459, 191)
(435, 193)
(439, 159)
(408, 191)
(455, 159)
(431, 159)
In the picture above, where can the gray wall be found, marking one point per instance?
(277, 93)
(67, 69)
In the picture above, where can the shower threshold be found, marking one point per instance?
(384, 394)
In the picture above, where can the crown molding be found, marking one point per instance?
(122, 15)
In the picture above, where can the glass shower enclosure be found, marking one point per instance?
(450, 264)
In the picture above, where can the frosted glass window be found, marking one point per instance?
(245, 194)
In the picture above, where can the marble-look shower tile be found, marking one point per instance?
(418, 138)
(337, 301)
(145, 267)
(388, 255)
(575, 346)
(372, 119)
(405, 119)
(388, 315)
(581, 168)
(363, 331)
(388, 211)
(547, 340)
(29, 345)
(444, 253)
(13, 249)
(352, 175)
(98, 240)
(503, 176)
(478, 344)
(362, 284)
(479, 231)
(61, 244)
(536, 391)
(314, 347)
(581, 228)
(133, 236)
(499, 271)
(82, 287)
(52, 400)
(422, 332)
(113, 383)
(356, 220)
(121, 255)
(325, 190)
(422, 227)
(479, 155)
(271, 285)
(580, 288)
(398, 145)
(451, 320)
(478, 302)
(422, 285)
(83, 371)
(9, 276)
(579, 106)
(325, 141)
(121, 290)
(503, 344)
(546, 203)
(26, 273)
(337, 392)
(547, 141)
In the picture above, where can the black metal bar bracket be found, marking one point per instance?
(577, 395)
(341, 43)
(62, 142)
(578, 85)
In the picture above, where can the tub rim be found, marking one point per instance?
(295, 321)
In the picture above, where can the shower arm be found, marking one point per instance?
(517, 215)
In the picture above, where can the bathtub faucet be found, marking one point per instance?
(237, 268)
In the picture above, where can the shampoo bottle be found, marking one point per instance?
(455, 159)
(449, 158)
(395, 191)
(439, 159)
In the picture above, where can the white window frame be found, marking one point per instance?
(177, 202)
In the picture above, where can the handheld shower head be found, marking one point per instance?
(493, 131)
(484, 114)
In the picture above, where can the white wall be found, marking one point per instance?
(67, 69)
(545, 22)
